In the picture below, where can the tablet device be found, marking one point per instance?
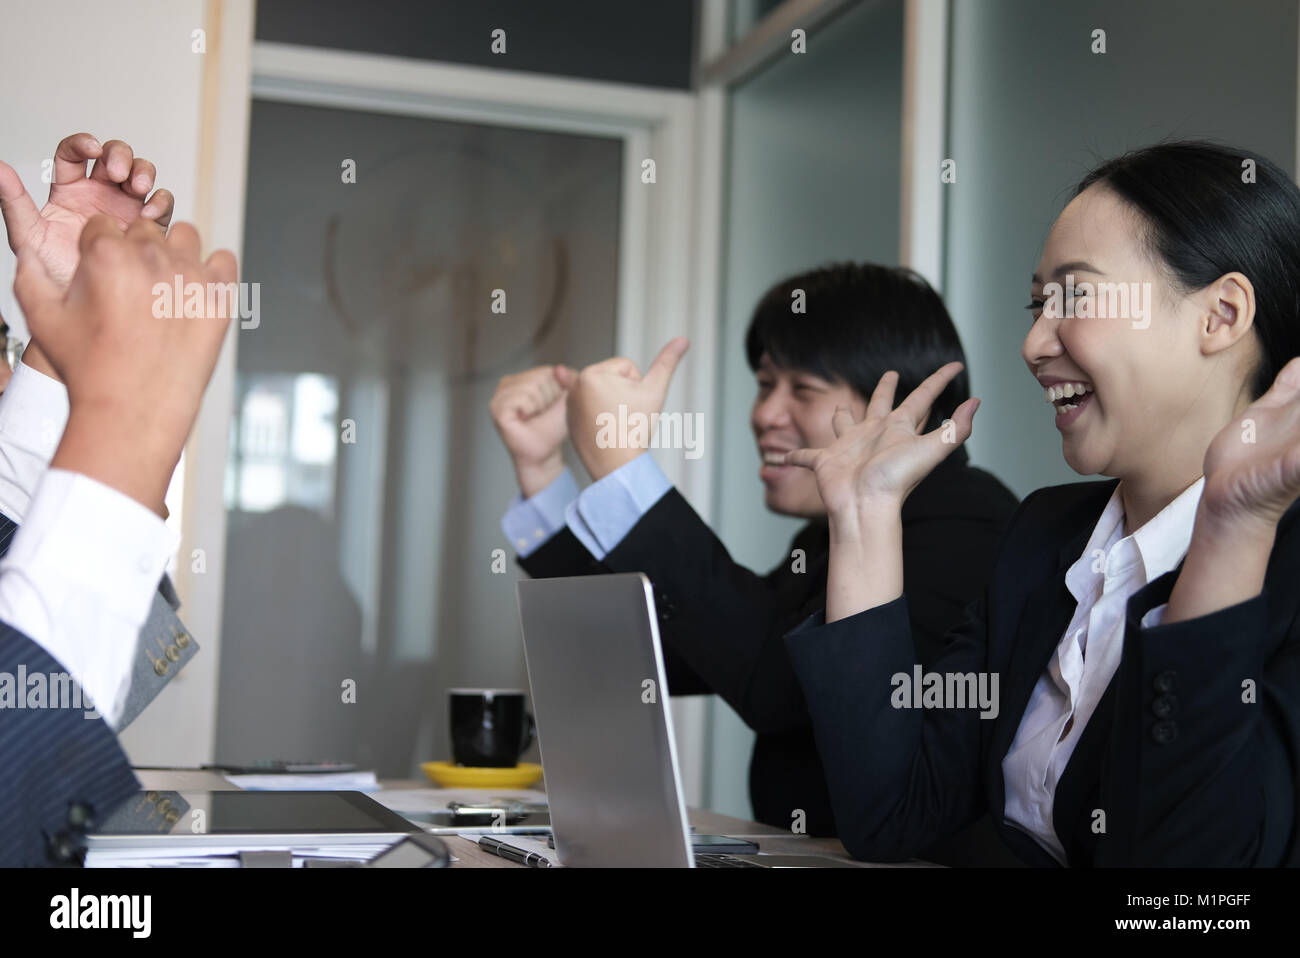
(238, 819)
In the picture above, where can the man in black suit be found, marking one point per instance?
(816, 341)
(82, 571)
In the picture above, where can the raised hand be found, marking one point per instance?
(528, 410)
(603, 387)
(1252, 467)
(874, 464)
(118, 187)
(135, 379)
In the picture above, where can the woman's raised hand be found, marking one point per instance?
(1252, 467)
(875, 463)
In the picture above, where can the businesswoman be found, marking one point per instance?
(1143, 631)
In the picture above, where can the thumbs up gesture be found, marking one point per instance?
(602, 389)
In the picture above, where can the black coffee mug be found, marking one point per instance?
(489, 727)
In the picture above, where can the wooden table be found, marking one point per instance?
(769, 839)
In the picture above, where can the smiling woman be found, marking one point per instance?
(1142, 629)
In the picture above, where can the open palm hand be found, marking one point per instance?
(878, 461)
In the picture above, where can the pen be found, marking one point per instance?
(510, 853)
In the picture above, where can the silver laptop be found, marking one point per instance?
(604, 728)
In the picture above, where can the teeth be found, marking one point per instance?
(1053, 394)
(774, 458)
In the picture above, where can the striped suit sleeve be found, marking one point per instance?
(59, 766)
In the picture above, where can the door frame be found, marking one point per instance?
(664, 280)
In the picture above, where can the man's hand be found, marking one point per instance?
(605, 386)
(528, 411)
(135, 380)
(118, 187)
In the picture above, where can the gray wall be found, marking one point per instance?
(812, 177)
(1032, 109)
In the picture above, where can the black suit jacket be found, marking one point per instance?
(61, 771)
(1179, 765)
(723, 626)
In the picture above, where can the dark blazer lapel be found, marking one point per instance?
(1046, 616)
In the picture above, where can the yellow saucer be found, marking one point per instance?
(450, 775)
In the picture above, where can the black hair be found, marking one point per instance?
(1204, 217)
(860, 321)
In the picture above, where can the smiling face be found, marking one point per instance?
(793, 410)
(1159, 377)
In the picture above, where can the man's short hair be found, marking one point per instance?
(860, 320)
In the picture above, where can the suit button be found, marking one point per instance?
(1164, 706)
(61, 849)
(79, 814)
(1165, 681)
(1164, 732)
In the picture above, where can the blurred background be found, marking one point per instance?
(339, 503)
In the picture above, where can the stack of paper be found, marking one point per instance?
(307, 782)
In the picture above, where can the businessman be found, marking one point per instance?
(81, 573)
(722, 625)
(34, 406)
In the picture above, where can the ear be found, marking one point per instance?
(1229, 312)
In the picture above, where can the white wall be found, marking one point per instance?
(85, 65)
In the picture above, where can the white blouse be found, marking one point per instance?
(1112, 568)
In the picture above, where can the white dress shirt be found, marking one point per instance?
(81, 572)
(1112, 568)
(33, 413)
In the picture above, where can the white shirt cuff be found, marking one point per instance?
(33, 414)
(79, 580)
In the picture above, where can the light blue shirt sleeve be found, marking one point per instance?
(605, 512)
(530, 522)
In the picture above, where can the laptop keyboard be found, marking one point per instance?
(725, 861)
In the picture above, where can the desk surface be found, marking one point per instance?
(706, 822)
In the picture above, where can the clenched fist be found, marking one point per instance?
(528, 410)
(135, 379)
